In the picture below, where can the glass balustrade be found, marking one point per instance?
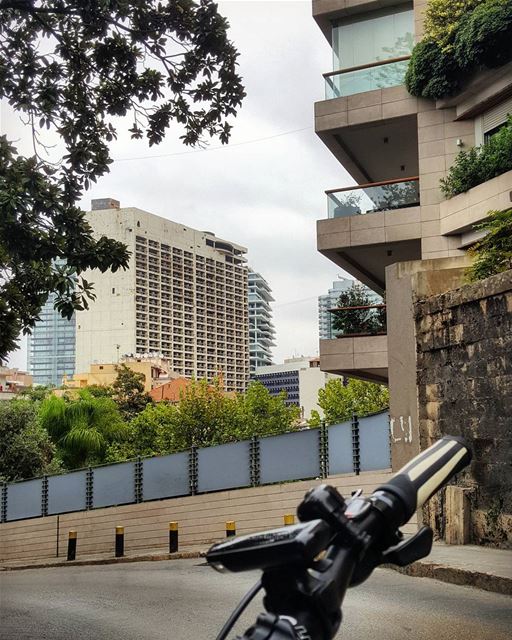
(379, 76)
(374, 197)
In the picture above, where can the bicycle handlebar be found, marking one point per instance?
(304, 593)
(425, 474)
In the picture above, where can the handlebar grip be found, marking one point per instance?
(425, 474)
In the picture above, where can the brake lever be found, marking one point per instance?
(411, 549)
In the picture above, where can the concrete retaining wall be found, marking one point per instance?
(201, 519)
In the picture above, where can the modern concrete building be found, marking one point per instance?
(329, 301)
(51, 346)
(301, 379)
(184, 297)
(393, 230)
(261, 328)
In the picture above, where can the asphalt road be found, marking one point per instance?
(184, 600)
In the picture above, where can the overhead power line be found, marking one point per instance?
(229, 146)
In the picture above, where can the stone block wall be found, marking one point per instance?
(464, 377)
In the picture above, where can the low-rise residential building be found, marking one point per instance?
(155, 371)
(12, 381)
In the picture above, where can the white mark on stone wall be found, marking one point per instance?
(405, 431)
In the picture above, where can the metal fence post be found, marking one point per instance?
(44, 496)
(193, 470)
(138, 476)
(254, 461)
(356, 452)
(324, 450)
(89, 489)
(3, 503)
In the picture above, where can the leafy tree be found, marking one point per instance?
(493, 253)
(128, 392)
(259, 413)
(74, 68)
(358, 320)
(26, 450)
(36, 394)
(204, 416)
(82, 428)
(339, 402)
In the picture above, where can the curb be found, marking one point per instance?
(443, 573)
(181, 555)
(454, 575)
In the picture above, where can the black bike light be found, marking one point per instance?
(292, 545)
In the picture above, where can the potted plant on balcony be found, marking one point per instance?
(357, 313)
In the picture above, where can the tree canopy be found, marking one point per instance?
(128, 392)
(340, 402)
(204, 416)
(75, 68)
(26, 450)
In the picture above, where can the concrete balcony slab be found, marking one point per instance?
(363, 357)
(461, 212)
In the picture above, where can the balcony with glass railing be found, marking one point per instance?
(366, 77)
(388, 195)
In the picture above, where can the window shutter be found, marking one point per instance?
(497, 115)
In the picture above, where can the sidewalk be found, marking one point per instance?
(470, 565)
(480, 567)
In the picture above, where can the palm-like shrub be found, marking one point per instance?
(493, 253)
(82, 428)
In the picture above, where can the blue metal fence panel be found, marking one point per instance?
(291, 456)
(374, 442)
(340, 448)
(226, 466)
(67, 492)
(114, 484)
(165, 477)
(24, 499)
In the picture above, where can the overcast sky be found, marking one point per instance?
(265, 190)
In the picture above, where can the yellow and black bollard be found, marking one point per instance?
(230, 528)
(173, 537)
(72, 545)
(289, 518)
(119, 541)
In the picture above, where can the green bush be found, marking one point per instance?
(432, 73)
(442, 19)
(460, 36)
(480, 164)
(493, 253)
(484, 37)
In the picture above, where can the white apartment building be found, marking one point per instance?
(261, 327)
(301, 379)
(184, 297)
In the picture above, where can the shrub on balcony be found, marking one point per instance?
(460, 37)
(432, 73)
(480, 164)
(485, 35)
(493, 253)
(353, 321)
(442, 20)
